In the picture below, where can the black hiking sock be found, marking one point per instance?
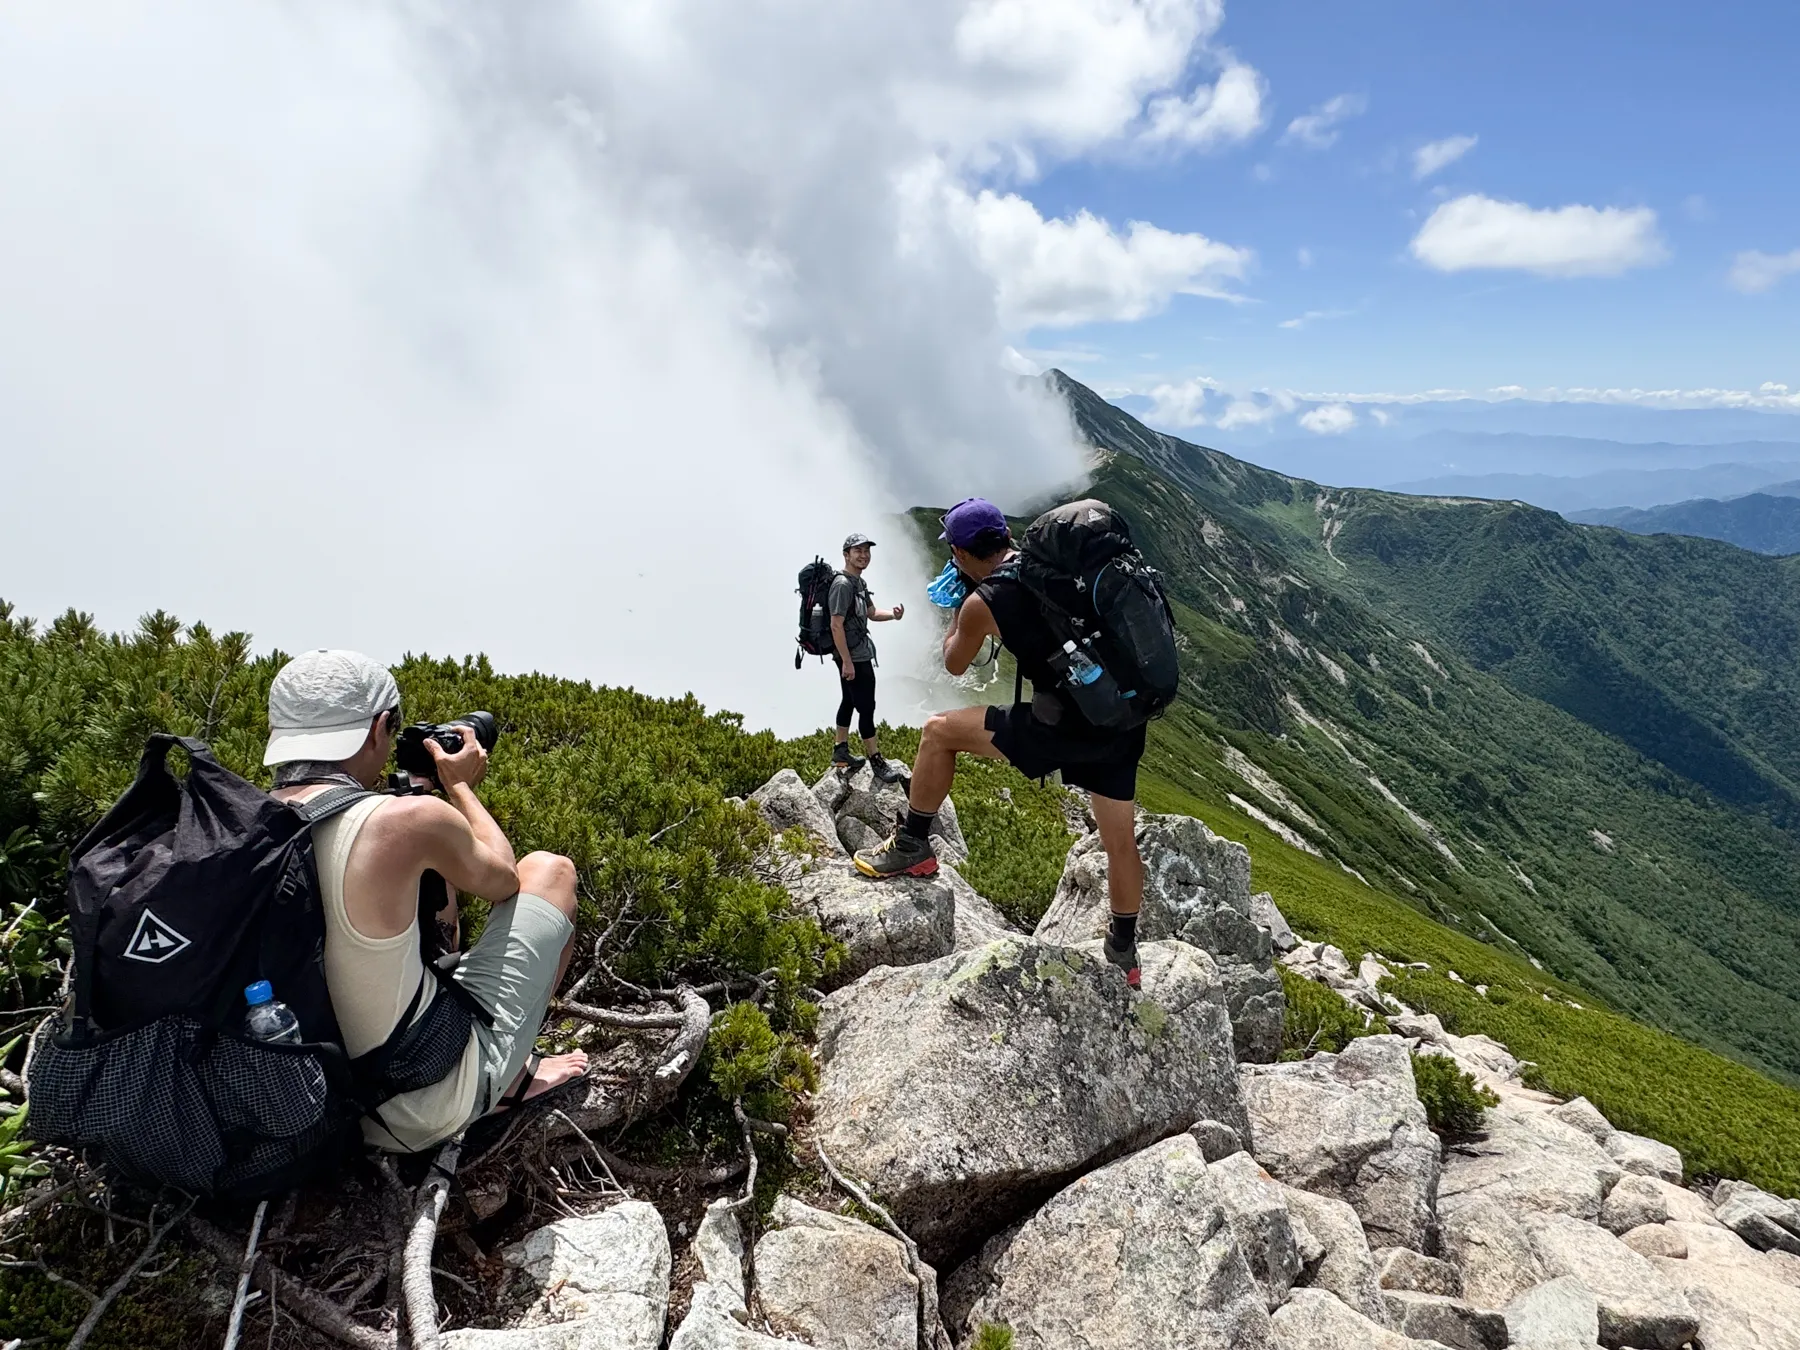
(918, 823)
(1123, 930)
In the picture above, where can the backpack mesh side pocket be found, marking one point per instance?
(236, 1118)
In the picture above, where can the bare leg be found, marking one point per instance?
(552, 876)
(946, 735)
(1124, 864)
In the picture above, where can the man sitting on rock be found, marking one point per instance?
(1038, 738)
(333, 718)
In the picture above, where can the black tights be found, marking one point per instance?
(859, 697)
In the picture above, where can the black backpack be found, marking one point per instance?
(1096, 590)
(815, 611)
(187, 891)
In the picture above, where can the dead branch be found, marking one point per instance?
(608, 1017)
(737, 1109)
(700, 1176)
(769, 1127)
(11, 1082)
(118, 1286)
(596, 1150)
(35, 1202)
(236, 1325)
(909, 1247)
(420, 1297)
(646, 1088)
(313, 1308)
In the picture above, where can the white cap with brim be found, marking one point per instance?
(321, 705)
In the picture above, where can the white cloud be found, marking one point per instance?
(1304, 257)
(1428, 159)
(671, 255)
(1568, 241)
(1058, 273)
(1180, 405)
(1331, 419)
(1313, 316)
(1318, 129)
(1381, 416)
(1255, 409)
(1224, 113)
(1753, 272)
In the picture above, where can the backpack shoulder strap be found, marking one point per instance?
(331, 802)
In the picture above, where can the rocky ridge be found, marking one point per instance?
(1089, 1166)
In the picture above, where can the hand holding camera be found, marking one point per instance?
(449, 752)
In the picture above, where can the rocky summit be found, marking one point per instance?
(1046, 1159)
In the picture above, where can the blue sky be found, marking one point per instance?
(1687, 112)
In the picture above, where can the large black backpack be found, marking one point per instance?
(1096, 590)
(815, 610)
(187, 891)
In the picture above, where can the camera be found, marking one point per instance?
(411, 756)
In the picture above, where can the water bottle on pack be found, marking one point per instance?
(269, 1019)
(1083, 669)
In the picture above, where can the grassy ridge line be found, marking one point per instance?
(1726, 1119)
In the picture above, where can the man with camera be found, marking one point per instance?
(333, 720)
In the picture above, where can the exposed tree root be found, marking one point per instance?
(421, 1298)
(311, 1307)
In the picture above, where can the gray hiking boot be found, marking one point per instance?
(1125, 958)
(902, 855)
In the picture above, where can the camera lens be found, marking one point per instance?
(485, 726)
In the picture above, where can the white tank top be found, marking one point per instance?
(372, 982)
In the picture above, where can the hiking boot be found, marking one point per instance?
(841, 758)
(885, 772)
(1125, 958)
(901, 855)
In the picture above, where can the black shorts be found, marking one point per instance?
(1103, 762)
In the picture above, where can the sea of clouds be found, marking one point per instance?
(563, 331)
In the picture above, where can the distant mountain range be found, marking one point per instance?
(1763, 522)
(1619, 488)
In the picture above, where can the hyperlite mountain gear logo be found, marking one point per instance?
(154, 941)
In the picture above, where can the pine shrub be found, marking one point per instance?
(1318, 1020)
(1453, 1100)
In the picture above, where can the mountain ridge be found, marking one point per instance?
(1434, 690)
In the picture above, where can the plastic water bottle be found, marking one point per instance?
(269, 1019)
(1083, 669)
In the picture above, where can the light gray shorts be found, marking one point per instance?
(512, 970)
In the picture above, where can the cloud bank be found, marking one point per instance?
(1567, 241)
(563, 331)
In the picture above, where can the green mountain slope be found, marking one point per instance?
(1759, 521)
(1555, 739)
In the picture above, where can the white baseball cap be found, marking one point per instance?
(321, 704)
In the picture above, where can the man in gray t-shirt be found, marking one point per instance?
(852, 611)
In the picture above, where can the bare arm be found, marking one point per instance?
(972, 625)
(465, 845)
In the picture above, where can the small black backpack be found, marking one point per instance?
(815, 611)
(1096, 590)
(187, 891)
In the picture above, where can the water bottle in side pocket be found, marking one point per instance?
(268, 1018)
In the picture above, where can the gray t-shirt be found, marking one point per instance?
(850, 598)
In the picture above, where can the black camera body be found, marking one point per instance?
(411, 755)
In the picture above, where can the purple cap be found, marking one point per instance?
(971, 517)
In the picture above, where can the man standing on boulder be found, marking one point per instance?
(852, 610)
(1038, 738)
